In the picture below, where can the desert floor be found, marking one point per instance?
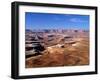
(70, 55)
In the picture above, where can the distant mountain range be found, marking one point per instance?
(55, 30)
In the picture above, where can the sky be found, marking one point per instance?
(56, 21)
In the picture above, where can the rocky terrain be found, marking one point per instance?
(52, 48)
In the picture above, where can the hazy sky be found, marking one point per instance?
(56, 21)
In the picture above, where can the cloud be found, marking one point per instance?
(77, 20)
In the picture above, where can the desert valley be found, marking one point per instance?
(56, 47)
